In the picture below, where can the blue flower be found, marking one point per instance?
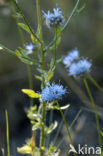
(71, 57)
(81, 67)
(52, 92)
(29, 48)
(54, 19)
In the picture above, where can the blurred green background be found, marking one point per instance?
(85, 32)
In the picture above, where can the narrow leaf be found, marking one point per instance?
(31, 93)
(38, 77)
(7, 49)
(25, 27)
(25, 60)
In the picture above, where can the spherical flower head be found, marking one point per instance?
(71, 57)
(29, 48)
(54, 19)
(52, 92)
(80, 68)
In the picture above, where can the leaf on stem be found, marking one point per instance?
(57, 108)
(25, 27)
(25, 149)
(31, 93)
(38, 77)
(52, 127)
(24, 57)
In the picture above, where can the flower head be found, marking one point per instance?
(29, 48)
(71, 57)
(54, 19)
(52, 92)
(81, 67)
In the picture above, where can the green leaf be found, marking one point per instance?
(31, 93)
(52, 127)
(57, 108)
(35, 116)
(59, 60)
(38, 31)
(25, 27)
(101, 133)
(18, 54)
(29, 148)
(36, 126)
(7, 49)
(25, 60)
(38, 77)
(17, 15)
(25, 149)
(81, 9)
(50, 75)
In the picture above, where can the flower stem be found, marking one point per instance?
(42, 139)
(30, 82)
(66, 125)
(33, 143)
(55, 47)
(7, 133)
(94, 108)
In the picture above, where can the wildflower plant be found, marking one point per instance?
(50, 92)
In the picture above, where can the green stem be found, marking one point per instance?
(94, 108)
(30, 82)
(42, 139)
(95, 83)
(7, 133)
(26, 22)
(42, 130)
(19, 30)
(66, 125)
(59, 128)
(28, 66)
(33, 143)
(70, 126)
(71, 15)
(50, 121)
(55, 47)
